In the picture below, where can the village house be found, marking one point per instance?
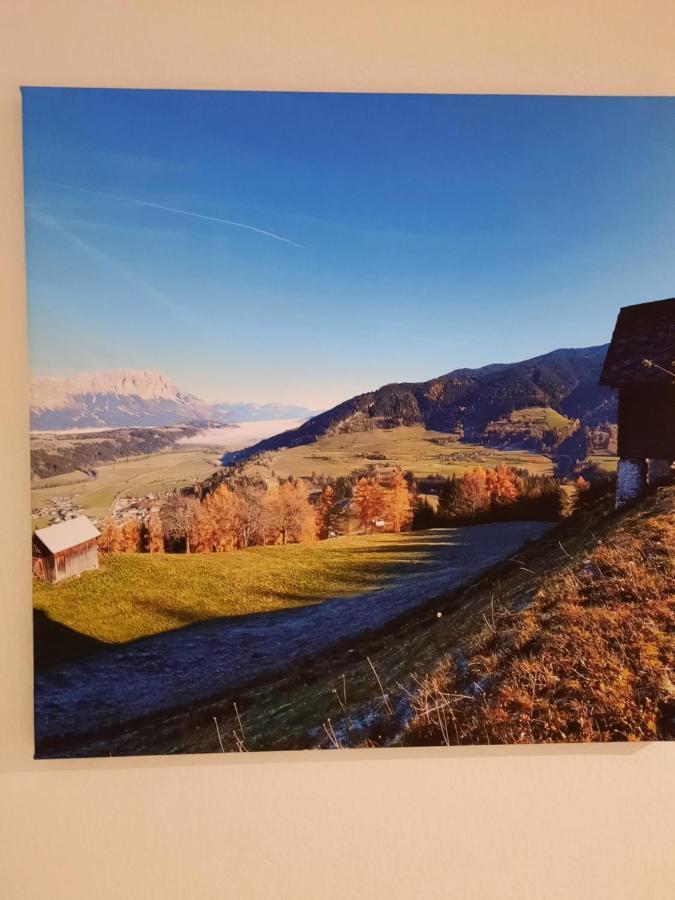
(640, 363)
(65, 549)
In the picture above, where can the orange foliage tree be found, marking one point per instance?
(398, 502)
(130, 536)
(297, 516)
(474, 493)
(222, 509)
(328, 513)
(153, 535)
(370, 501)
(201, 529)
(230, 518)
(502, 484)
(110, 540)
(288, 514)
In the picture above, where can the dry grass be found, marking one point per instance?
(588, 660)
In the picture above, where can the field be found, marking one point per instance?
(530, 423)
(137, 476)
(538, 417)
(423, 452)
(606, 461)
(413, 447)
(134, 595)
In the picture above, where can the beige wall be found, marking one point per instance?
(527, 823)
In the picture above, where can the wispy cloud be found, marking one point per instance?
(101, 225)
(104, 258)
(170, 209)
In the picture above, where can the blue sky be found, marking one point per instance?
(308, 247)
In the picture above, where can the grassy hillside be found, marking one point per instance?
(466, 400)
(133, 595)
(571, 641)
(536, 426)
(588, 659)
(409, 447)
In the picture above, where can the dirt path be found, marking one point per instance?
(179, 669)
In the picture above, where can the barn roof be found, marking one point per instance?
(645, 331)
(67, 534)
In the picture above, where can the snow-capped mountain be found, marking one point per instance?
(127, 397)
(112, 399)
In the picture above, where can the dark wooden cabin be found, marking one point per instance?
(640, 363)
(65, 549)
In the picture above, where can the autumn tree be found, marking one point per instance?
(500, 494)
(370, 501)
(289, 516)
(297, 515)
(201, 530)
(177, 516)
(329, 513)
(223, 508)
(251, 516)
(131, 536)
(474, 496)
(502, 485)
(271, 514)
(153, 537)
(110, 540)
(397, 501)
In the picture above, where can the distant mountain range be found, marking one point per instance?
(478, 405)
(257, 412)
(467, 402)
(127, 398)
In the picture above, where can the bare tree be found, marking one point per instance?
(178, 514)
(251, 517)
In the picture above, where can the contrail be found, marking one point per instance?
(101, 257)
(172, 209)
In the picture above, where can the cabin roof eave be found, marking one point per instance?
(642, 349)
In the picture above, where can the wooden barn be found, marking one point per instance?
(640, 363)
(65, 549)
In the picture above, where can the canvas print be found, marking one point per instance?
(352, 419)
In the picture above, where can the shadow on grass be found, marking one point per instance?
(56, 643)
(378, 566)
(375, 567)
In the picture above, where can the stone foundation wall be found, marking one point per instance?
(631, 480)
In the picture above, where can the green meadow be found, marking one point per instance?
(133, 595)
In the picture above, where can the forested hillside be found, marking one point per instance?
(467, 402)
